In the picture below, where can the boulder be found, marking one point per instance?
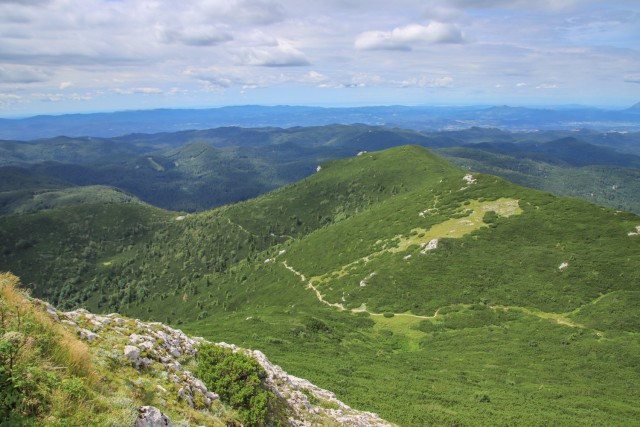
(149, 416)
(133, 354)
(86, 334)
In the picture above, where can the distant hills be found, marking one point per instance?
(201, 169)
(461, 298)
(419, 118)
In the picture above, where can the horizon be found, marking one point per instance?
(84, 56)
(612, 108)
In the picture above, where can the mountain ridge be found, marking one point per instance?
(416, 117)
(521, 299)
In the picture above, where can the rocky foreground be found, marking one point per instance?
(162, 358)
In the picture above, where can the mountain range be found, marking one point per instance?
(407, 285)
(421, 118)
(198, 170)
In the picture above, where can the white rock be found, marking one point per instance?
(431, 245)
(133, 353)
(87, 335)
(52, 312)
(469, 179)
(149, 416)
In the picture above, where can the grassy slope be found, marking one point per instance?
(25, 201)
(616, 187)
(516, 340)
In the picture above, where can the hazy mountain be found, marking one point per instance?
(418, 118)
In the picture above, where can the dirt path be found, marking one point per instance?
(239, 226)
(341, 306)
(561, 319)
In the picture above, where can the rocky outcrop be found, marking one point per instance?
(148, 416)
(299, 394)
(152, 347)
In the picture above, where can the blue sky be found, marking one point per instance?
(61, 56)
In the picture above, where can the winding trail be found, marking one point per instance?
(239, 226)
(311, 286)
(560, 318)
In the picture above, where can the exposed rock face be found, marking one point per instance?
(148, 416)
(295, 391)
(154, 347)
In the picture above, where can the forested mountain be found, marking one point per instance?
(198, 170)
(459, 297)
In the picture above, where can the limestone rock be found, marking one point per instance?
(86, 334)
(149, 416)
(133, 354)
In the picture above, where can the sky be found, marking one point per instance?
(61, 56)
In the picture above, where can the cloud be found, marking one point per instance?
(23, 74)
(315, 78)
(552, 5)
(257, 12)
(632, 78)
(9, 98)
(547, 86)
(283, 54)
(403, 38)
(25, 2)
(426, 82)
(192, 36)
(65, 85)
(211, 76)
(365, 80)
(139, 90)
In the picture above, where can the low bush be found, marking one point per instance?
(238, 379)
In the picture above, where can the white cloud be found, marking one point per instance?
(211, 76)
(192, 36)
(256, 12)
(547, 86)
(23, 74)
(281, 55)
(364, 80)
(427, 82)
(142, 47)
(553, 5)
(139, 90)
(7, 99)
(403, 38)
(315, 77)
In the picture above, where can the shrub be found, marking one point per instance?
(238, 379)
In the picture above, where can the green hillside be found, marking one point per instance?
(22, 191)
(197, 170)
(408, 286)
(608, 185)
